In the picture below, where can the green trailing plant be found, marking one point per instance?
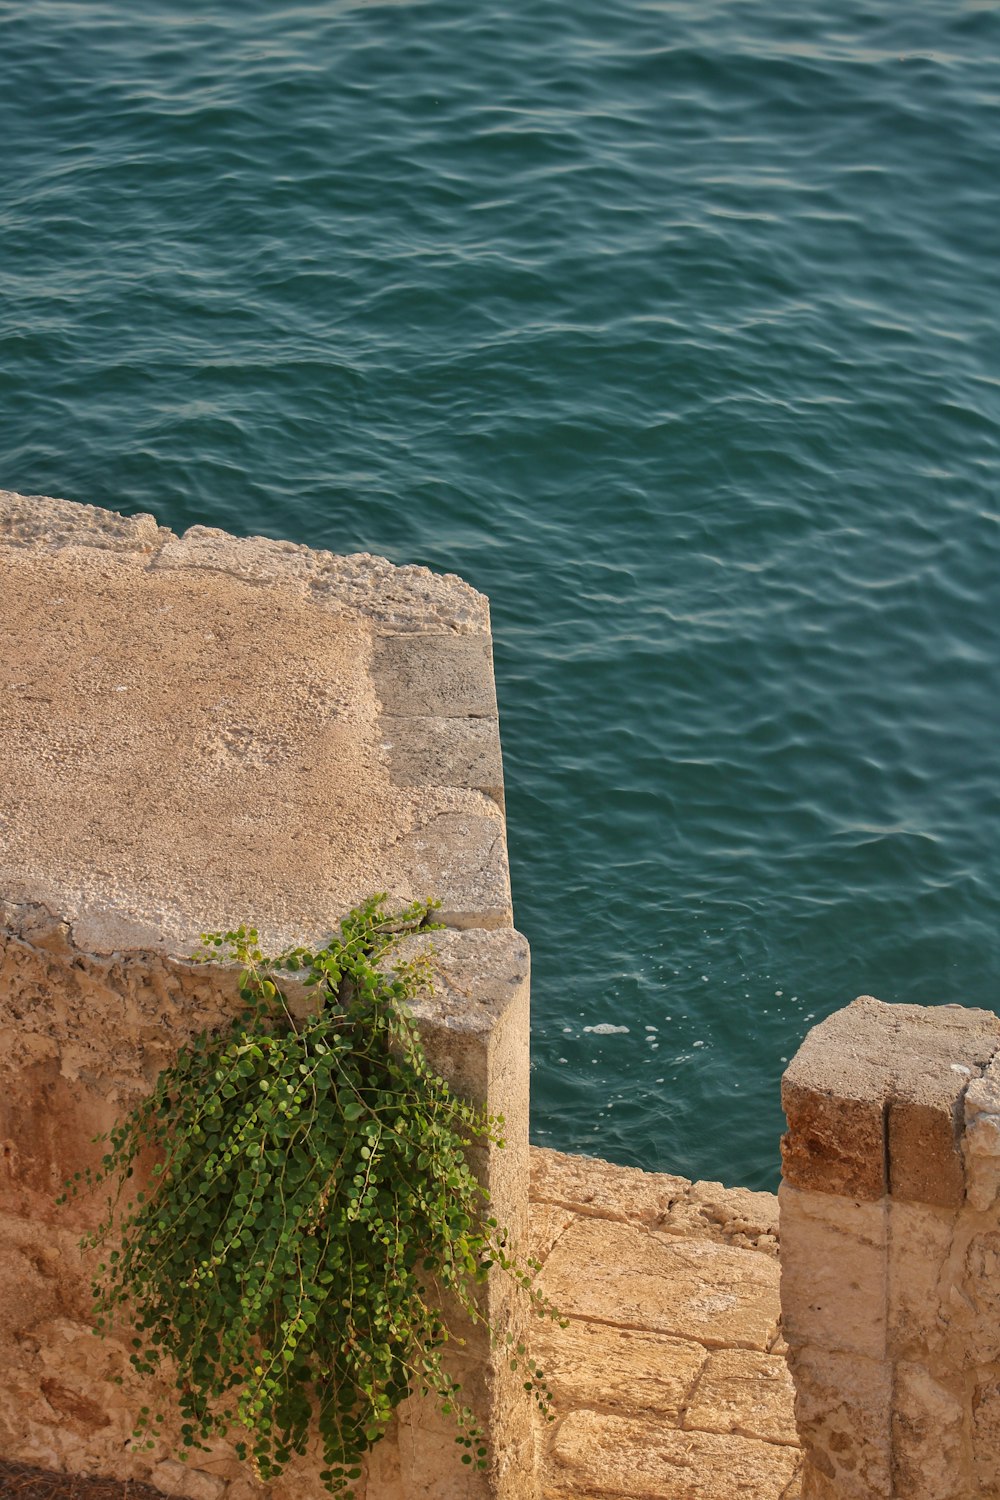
(310, 1206)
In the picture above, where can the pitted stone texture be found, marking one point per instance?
(438, 751)
(695, 1289)
(673, 1205)
(39, 521)
(873, 1100)
(986, 1433)
(401, 599)
(463, 858)
(744, 1392)
(981, 1142)
(624, 1370)
(240, 670)
(842, 1410)
(609, 1455)
(927, 1436)
(833, 1272)
(446, 675)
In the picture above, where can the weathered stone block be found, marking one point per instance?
(833, 1094)
(462, 858)
(438, 751)
(873, 1100)
(981, 1141)
(586, 1185)
(843, 1406)
(615, 1456)
(986, 1434)
(976, 1298)
(919, 1282)
(450, 675)
(742, 1391)
(927, 1439)
(693, 1289)
(625, 1370)
(833, 1272)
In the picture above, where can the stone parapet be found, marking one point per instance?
(890, 1252)
(204, 731)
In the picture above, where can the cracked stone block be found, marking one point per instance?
(439, 751)
(743, 1391)
(927, 1435)
(616, 1273)
(872, 1099)
(626, 1369)
(833, 1272)
(422, 674)
(615, 1456)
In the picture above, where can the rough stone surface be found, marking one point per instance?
(879, 1086)
(442, 674)
(691, 1288)
(833, 1276)
(198, 731)
(642, 1412)
(842, 1411)
(920, 1306)
(623, 1370)
(986, 1433)
(891, 1252)
(704, 1210)
(437, 751)
(981, 1142)
(248, 674)
(620, 1456)
(927, 1436)
(744, 1392)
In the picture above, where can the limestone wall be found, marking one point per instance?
(202, 731)
(890, 1250)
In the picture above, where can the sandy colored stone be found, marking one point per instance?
(927, 1437)
(461, 857)
(744, 1392)
(615, 1456)
(547, 1222)
(616, 1369)
(396, 599)
(986, 1434)
(976, 1298)
(438, 751)
(450, 675)
(617, 1273)
(195, 728)
(186, 1481)
(833, 1272)
(603, 1189)
(876, 1084)
(241, 670)
(920, 1309)
(843, 1408)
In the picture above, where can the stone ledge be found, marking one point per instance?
(873, 1100)
(599, 1189)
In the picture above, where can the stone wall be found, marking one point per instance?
(890, 1251)
(203, 731)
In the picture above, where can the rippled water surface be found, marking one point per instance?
(671, 326)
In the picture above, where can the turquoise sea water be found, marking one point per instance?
(674, 328)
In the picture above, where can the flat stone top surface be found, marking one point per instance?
(206, 730)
